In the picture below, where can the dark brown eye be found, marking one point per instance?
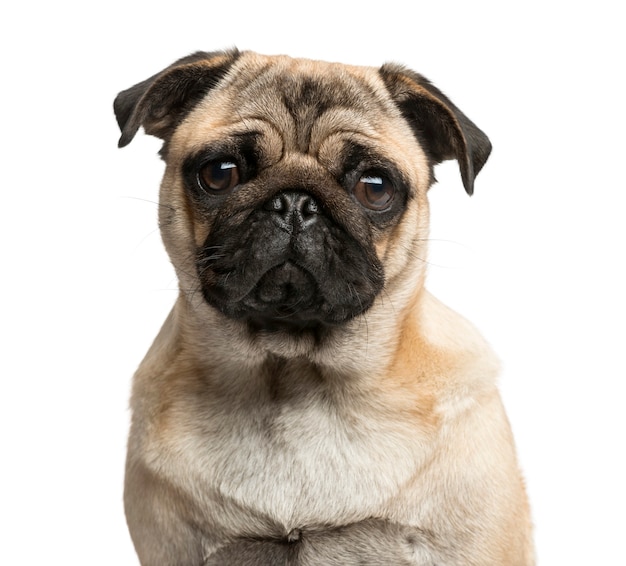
(219, 176)
(374, 191)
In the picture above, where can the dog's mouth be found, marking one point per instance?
(287, 286)
(287, 297)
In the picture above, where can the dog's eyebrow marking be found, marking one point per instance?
(309, 99)
(266, 133)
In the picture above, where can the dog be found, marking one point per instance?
(307, 401)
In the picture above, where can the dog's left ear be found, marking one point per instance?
(160, 102)
(443, 130)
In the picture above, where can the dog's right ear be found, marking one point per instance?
(161, 102)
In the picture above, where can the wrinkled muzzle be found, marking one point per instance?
(287, 264)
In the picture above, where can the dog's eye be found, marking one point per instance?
(374, 191)
(218, 176)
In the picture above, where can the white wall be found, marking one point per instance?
(535, 258)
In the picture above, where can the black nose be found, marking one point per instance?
(293, 210)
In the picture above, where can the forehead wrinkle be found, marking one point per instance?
(269, 137)
(336, 120)
(257, 97)
(340, 121)
(265, 110)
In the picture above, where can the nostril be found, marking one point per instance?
(277, 204)
(310, 207)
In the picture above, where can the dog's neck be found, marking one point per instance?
(343, 357)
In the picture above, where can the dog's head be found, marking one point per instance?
(294, 196)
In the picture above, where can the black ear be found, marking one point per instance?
(443, 130)
(160, 102)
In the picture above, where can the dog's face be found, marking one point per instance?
(294, 197)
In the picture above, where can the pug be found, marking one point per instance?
(307, 401)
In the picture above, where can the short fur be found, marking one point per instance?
(307, 401)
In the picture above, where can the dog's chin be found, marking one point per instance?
(288, 341)
(286, 325)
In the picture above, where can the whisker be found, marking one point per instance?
(157, 203)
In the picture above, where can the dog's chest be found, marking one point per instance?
(310, 457)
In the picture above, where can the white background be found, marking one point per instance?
(535, 259)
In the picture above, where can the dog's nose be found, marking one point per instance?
(294, 210)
